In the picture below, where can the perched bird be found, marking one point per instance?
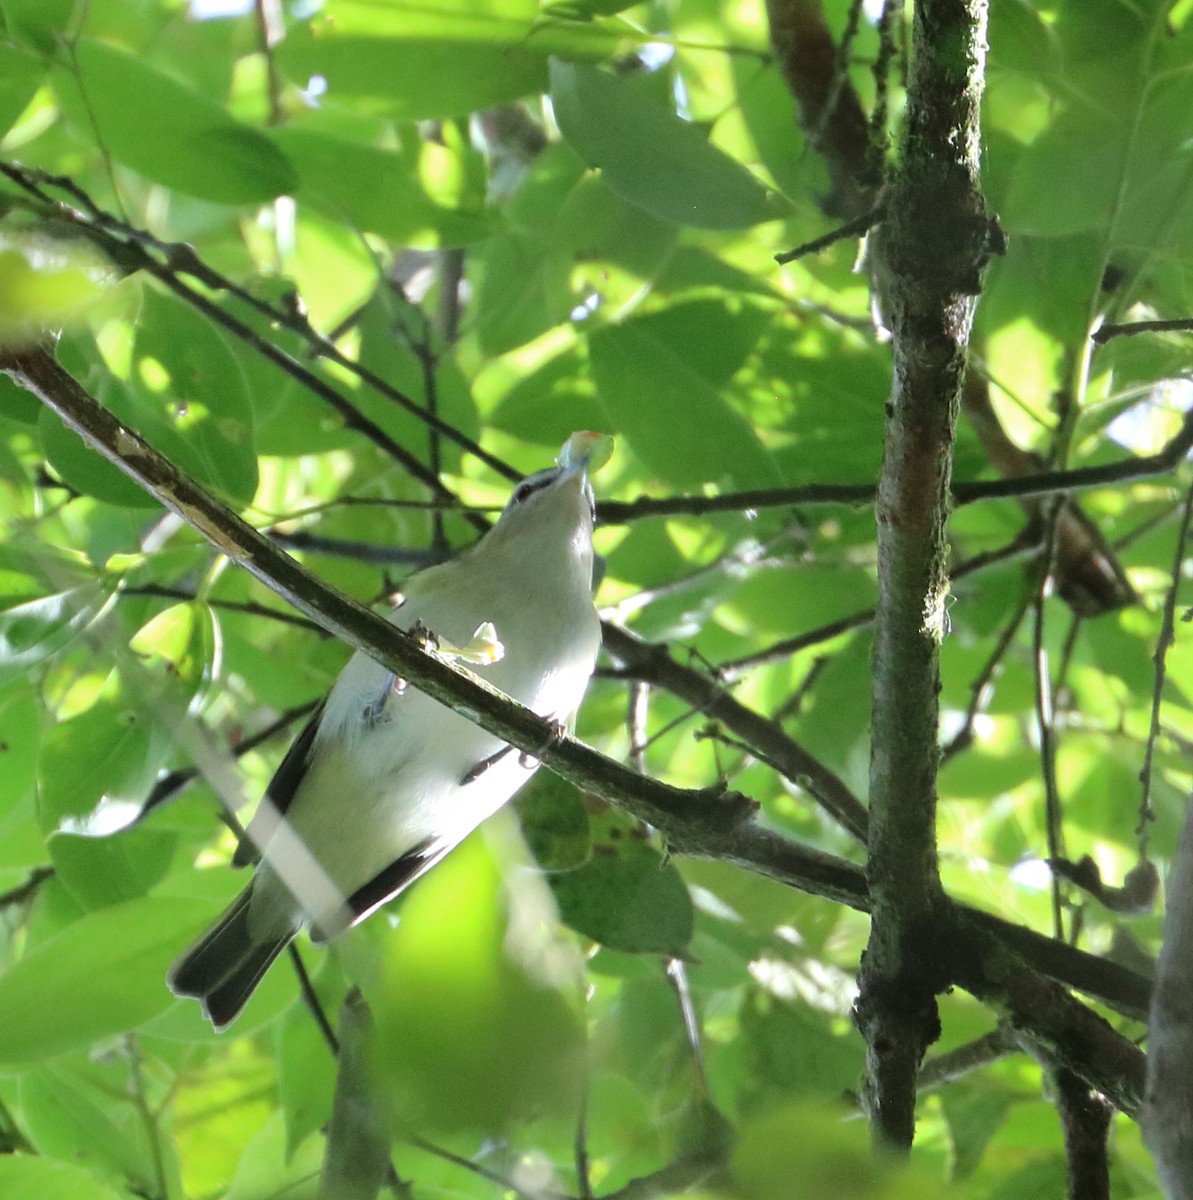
(384, 781)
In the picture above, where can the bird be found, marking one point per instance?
(383, 781)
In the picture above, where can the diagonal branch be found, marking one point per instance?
(350, 621)
(706, 823)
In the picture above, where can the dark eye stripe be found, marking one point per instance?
(533, 483)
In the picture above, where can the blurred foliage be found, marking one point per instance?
(594, 250)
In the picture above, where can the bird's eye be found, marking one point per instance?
(530, 485)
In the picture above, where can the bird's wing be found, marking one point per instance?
(386, 884)
(286, 779)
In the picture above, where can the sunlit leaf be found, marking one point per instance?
(175, 135)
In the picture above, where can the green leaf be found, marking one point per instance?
(1157, 194)
(20, 76)
(68, 1117)
(417, 78)
(469, 1037)
(525, 284)
(1067, 180)
(554, 822)
(794, 1050)
(174, 135)
(669, 408)
(102, 752)
(653, 158)
(974, 1115)
(1051, 280)
(100, 871)
(546, 405)
(24, 1177)
(1020, 41)
(17, 404)
(802, 1152)
(391, 331)
(766, 109)
(789, 600)
(39, 23)
(36, 630)
(372, 189)
(20, 735)
(306, 1077)
(86, 470)
(105, 975)
(199, 389)
(627, 897)
(45, 283)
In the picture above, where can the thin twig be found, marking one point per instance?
(1134, 328)
(850, 229)
(580, 1148)
(268, 16)
(842, 57)
(636, 721)
(1163, 643)
(148, 1120)
(1046, 729)
(362, 551)
(982, 689)
(882, 73)
(475, 1168)
(734, 669)
(24, 891)
(174, 781)
(312, 1001)
(802, 690)
(955, 1064)
(249, 607)
(1041, 483)
(677, 977)
(130, 247)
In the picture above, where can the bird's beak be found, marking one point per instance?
(577, 468)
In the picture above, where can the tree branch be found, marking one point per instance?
(1085, 1122)
(1134, 328)
(663, 806)
(703, 823)
(131, 249)
(1130, 469)
(929, 255)
(654, 664)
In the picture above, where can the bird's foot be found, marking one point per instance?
(474, 773)
(392, 685)
(425, 638)
(557, 730)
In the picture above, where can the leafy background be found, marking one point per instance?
(593, 249)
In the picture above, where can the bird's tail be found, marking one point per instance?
(224, 966)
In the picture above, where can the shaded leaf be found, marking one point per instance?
(652, 157)
(671, 414)
(106, 973)
(627, 897)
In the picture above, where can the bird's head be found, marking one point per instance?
(554, 508)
